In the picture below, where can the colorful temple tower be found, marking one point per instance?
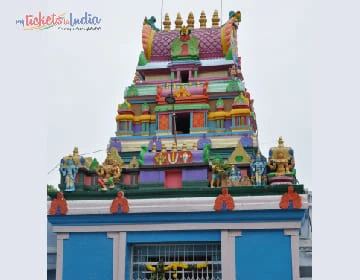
(184, 192)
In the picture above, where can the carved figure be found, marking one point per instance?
(136, 78)
(220, 170)
(257, 166)
(215, 176)
(151, 21)
(110, 171)
(69, 171)
(281, 165)
(281, 161)
(235, 175)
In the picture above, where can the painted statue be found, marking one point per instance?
(281, 160)
(281, 165)
(220, 171)
(235, 175)
(215, 176)
(69, 171)
(110, 171)
(257, 168)
(151, 21)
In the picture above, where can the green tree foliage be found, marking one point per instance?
(51, 188)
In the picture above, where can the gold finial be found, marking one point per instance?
(215, 19)
(202, 20)
(163, 147)
(174, 147)
(167, 22)
(281, 142)
(178, 22)
(153, 147)
(184, 148)
(190, 20)
(194, 147)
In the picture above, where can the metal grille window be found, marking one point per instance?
(189, 259)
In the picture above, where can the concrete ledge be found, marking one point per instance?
(181, 205)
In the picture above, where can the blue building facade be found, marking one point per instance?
(244, 243)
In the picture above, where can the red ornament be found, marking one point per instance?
(226, 198)
(291, 195)
(119, 201)
(58, 203)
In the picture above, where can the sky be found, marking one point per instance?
(90, 71)
(61, 89)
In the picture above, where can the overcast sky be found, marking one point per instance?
(88, 72)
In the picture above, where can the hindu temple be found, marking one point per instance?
(185, 191)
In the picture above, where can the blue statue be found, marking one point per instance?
(69, 171)
(235, 175)
(257, 168)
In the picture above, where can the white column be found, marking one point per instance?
(60, 253)
(119, 254)
(294, 233)
(228, 253)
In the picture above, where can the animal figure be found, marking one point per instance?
(151, 21)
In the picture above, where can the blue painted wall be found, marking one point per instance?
(263, 254)
(88, 256)
(173, 236)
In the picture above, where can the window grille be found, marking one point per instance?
(190, 254)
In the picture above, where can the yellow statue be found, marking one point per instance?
(281, 160)
(111, 169)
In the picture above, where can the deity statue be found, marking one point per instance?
(215, 176)
(257, 169)
(110, 171)
(220, 171)
(235, 175)
(79, 160)
(69, 170)
(281, 164)
(136, 78)
(233, 71)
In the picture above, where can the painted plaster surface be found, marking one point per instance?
(269, 250)
(151, 176)
(196, 204)
(88, 256)
(194, 174)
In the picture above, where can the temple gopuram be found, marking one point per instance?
(185, 191)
